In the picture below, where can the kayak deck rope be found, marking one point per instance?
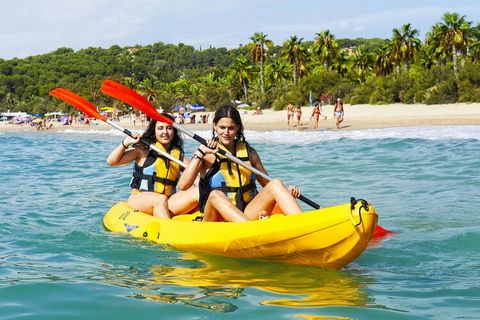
(364, 205)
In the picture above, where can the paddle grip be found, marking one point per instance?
(309, 202)
(204, 142)
(142, 140)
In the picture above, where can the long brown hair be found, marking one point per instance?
(227, 111)
(149, 134)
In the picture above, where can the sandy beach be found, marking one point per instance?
(357, 117)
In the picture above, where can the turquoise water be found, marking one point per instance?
(57, 261)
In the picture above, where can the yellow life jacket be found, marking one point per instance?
(158, 173)
(237, 182)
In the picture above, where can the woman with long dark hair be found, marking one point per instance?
(227, 190)
(155, 177)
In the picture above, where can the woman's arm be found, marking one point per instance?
(123, 153)
(202, 160)
(187, 178)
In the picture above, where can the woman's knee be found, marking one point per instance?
(161, 200)
(275, 184)
(216, 195)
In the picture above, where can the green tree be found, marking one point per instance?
(242, 70)
(325, 48)
(405, 43)
(452, 35)
(277, 71)
(149, 88)
(294, 50)
(258, 50)
(361, 62)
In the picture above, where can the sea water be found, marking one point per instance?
(58, 262)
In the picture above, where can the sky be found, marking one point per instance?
(31, 27)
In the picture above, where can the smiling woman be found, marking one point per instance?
(227, 190)
(154, 176)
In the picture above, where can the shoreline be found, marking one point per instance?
(357, 117)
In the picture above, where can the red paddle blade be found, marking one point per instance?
(129, 96)
(77, 101)
(381, 232)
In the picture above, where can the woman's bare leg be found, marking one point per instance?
(152, 203)
(274, 193)
(183, 202)
(219, 208)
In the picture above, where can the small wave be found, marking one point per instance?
(111, 132)
(307, 137)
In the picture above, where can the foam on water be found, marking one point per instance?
(307, 137)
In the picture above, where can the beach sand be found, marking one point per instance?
(357, 117)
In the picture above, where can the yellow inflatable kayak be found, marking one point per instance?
(329, 237)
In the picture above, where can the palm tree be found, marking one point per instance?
(130, 82)
(183, 90)
(361, 62)
(277, 71)
(452, 34)
(341, 62)
(325, 48)
(394, 53)
(149, 88)
(294, 50)
(383, 64)
(433, 46)
(208, 78)
(405, 44)
(258, 48)
(474, 43)
(243, 72)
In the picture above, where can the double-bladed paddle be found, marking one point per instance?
(87, 107)
(129, 96)
(134, 99)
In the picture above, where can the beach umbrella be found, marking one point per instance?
(107, 109)
(197, 107)
(38, 115)
(54, 114)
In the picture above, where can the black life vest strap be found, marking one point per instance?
(242, 189)
(153, 178)
(222, 159)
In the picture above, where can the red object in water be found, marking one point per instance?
(381, 232)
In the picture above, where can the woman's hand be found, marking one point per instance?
(210, 148)
(294, 191)
(129, 141)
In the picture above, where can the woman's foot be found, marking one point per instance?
(263, 215)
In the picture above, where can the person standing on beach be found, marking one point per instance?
(133, 118)
(227, 190)
(290, 108)
(338, 112)
(316, 112)
(298, 112)
(155, 177)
